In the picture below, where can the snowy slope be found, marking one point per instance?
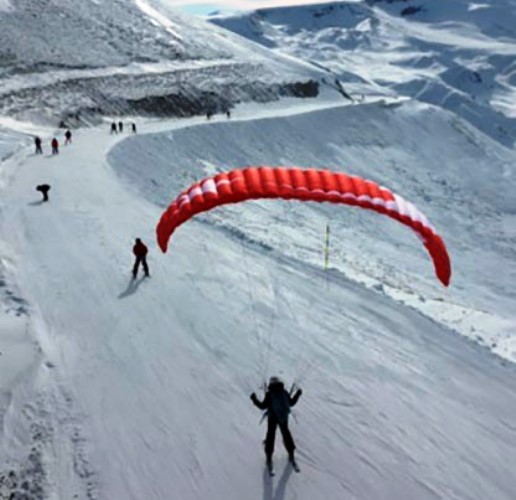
(142, 388)
(119, 389)
(458, 55)
(76, 60)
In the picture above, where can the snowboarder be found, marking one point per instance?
(68, 137)
(120, 127)
(113, 128)
(133, 127)
(277, 402)
(55, 146)
(43, 189)
(140, 252)
(37, 143)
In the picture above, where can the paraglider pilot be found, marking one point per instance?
(277, 402)
(140, 252)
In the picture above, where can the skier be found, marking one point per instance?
(43, 189)
(120, 127)
(140, 252)
(55, 146)
(37, 143)
(113, 128)
(133, 127)
(68, 137)
(277, 402)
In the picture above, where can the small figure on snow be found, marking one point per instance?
(228, 114)
(113, 128)
(277, 402)
(68, 137)
(140, 251)
(55, 146)
(43, 189)
(120, 126)
(37, 143)
(133, 127)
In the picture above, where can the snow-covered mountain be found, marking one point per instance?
(457, 55)
(75, 60)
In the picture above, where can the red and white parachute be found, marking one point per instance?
(307, 185)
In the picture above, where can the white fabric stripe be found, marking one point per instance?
(208, 186)
(195, 191)
(398, 205)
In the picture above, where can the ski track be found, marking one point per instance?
(141, 389)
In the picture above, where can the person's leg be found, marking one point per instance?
(288, 441)
(136, 266)
(145, 266)
(269, 438)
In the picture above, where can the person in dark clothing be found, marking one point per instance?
(37, 143)
(133, 127)
(113, 128)
(228, 114)
(55, 146)
(43, 189)
(140, 252)
(277, 402)
(120, 127)
(68, 137)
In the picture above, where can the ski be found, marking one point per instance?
(294, 465)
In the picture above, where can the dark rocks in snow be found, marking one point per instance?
(413, 9)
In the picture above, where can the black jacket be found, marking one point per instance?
(277, 402)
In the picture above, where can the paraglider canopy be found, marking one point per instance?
(304, 185)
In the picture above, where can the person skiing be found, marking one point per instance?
(68, 137)
(140, 252)
(113, 128)
(55, 146)
(37, 143)
(43, 189)
(120, 126)
(277, 402)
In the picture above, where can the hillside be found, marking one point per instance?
(77, 61)
(456, 55)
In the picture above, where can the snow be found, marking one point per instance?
(83, 60)
(452, 54)
(5, 6)
(151, 379)
(121, 389)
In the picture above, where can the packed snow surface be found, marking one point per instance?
(113, 388)
(140, 388)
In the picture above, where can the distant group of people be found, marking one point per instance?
(118, 128)
(140, 250)
(54, 146)
(54, 143)
(209, 114)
